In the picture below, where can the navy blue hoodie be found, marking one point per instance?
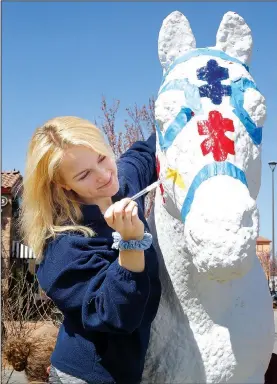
(107, 309)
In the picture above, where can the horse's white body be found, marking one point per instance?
(215, 320)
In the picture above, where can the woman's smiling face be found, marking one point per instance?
(90, 175)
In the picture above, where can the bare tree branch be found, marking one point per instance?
(139, 124)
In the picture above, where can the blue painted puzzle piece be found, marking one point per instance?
(213, 74)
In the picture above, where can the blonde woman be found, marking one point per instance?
(96, 259)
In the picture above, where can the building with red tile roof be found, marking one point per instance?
(10, 182)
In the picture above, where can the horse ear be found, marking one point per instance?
(175, 38)
(234, 37)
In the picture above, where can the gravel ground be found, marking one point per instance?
(15, 378)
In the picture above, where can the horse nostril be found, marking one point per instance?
(254, 104)
(247, 220)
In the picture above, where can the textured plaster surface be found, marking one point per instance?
(215, 320)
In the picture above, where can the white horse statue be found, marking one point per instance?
(215, 320)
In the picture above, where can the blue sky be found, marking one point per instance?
(60, 58)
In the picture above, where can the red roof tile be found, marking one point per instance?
(263, 240)
(10, 179)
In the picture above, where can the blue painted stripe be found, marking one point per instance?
(208, 171)
(160, 135)
(237, 99)
(203, 52)
(174, 128)
(176, 84)
(191, 93)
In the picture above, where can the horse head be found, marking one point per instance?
(209, 117)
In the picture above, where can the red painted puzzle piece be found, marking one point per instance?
(158, 166)
(217, 142)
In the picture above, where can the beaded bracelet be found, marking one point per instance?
(139, 245)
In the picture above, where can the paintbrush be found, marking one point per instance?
(170, 173)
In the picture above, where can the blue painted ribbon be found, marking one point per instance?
(237, 99)
(176, 84)
(203, 52)
(174, 128)
(208, 171)
(160, 135)
(191, 93)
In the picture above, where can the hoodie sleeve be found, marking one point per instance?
(138, 163)
(79, 277)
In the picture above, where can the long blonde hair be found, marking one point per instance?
(47, 208)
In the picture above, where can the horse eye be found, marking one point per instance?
(159, 125)
(254, 104)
